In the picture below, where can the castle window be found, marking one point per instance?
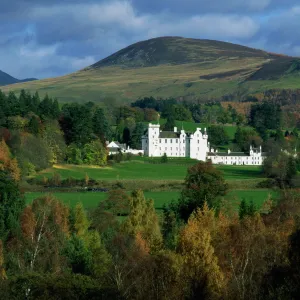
(198, 142)
(166, 148)
(171, 140)
(166, 140)
(159, 140)
(176, 140)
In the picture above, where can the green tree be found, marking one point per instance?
(218, 136)
(203, 183)
(244, 138)
(12, 204)
(281, 167)
(94, 153)
(76, 123)
(246, 209)
(85, 252)
(169, 126)
(136, 139)
(101, 125)
(181, 113)
(33, 125)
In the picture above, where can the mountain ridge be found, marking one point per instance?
(172, 67)
(6, 79)
(156, 51)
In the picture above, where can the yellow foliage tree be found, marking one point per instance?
(200, 262)
(2, 270)
(7, 163)
(143, 220)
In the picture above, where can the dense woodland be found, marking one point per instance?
(124, 250)
(198, 247)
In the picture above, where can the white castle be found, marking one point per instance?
(156, 143)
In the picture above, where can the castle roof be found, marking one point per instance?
(169, 135)
(227, 154)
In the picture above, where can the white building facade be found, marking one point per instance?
(115, 148)
(254, 157)
(156, 143)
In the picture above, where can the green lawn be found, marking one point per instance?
(91, 199)
(143, 170)
(133, 170)
(241, 172)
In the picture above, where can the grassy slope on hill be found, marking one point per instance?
(170, 67)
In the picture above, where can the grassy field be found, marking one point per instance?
(92, 199)
(142, 170)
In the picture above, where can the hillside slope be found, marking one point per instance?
(172, 67)
(6, 79)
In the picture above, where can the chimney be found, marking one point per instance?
(229, 151)
(175, 129)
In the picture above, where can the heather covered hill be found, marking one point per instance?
(177, 50)
(192, 69)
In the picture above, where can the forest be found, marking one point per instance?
(196, 247)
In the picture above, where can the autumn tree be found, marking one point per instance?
(105, 216)
(142, 219)
(44, 227)
(202, 273)
(2, 270)
(7, 163)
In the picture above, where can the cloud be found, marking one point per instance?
(50, 38)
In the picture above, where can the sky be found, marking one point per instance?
(49, 38)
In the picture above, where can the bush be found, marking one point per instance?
(164, 159)
(267, 184)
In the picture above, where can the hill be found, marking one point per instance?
(6, 79)
(173, 67)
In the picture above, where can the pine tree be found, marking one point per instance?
(33, 125)
(243, 209)
(251, 209)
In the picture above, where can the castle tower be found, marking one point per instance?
(199, 145)
(153, 139)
